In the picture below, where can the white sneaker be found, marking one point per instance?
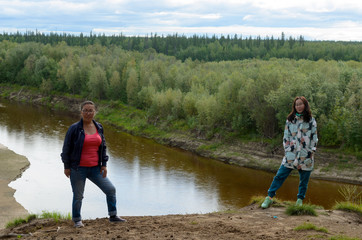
(78, 224)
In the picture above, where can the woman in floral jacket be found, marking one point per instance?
(300, 142)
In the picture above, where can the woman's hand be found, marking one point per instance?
(104, 171)
(67, 172)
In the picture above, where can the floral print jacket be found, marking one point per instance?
(300, 142)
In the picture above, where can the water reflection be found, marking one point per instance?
(150, 179)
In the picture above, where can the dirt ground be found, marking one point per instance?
(250, 222)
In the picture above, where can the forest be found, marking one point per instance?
(220, 95)
(205, 48)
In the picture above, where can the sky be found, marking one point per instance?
(338, 20)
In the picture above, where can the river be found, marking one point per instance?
(150, 179)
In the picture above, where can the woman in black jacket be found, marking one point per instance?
(84, 156)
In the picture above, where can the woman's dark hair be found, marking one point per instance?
(307, 114)
(85, 103)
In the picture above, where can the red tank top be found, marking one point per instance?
(89, 156)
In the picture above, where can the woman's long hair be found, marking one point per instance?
(307, 114)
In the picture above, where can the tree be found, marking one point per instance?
(97, 84)
(115, 87)
(132, 87)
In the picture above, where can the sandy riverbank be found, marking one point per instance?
(12, 166)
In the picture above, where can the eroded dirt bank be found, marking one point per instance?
(12, 166)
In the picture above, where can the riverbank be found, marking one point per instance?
(330, 164)
(12, 166)
(250, 222)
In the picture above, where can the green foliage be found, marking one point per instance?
(98, 83)
(226, 98)
(56, 216)
(350, 194)
(305, 209)
(349, 207)
(202, 48)
(16, 222)
(310, 226)
(260, 199)
(343, 238)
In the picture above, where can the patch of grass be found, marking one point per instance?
(310, 226)
(305, 209)
(15, 222)
(343, 238)
(52, 215)
(349, 207)
(19, 221)
(260, 199)
(350, 194)
(327, 168)
(56, 216)
(211, 147)
(345, 166)
(60, 106)
(257, 199)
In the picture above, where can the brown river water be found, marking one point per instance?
(151, 179)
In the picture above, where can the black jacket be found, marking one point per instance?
(73, 144)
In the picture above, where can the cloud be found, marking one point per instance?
(341, 31)
(43, 8)
(321, 20)
(182, 15)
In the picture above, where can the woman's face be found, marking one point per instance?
(299, 106)
(88, 112)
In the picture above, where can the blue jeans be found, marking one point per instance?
(280, 177)
(77, 180)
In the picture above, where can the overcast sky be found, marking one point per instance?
(313, 19)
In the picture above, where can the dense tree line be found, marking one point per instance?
(205, 48)
(227, 97)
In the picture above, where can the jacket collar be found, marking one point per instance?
(80, 125)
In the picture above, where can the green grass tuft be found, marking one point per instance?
(56, 216)
(349, 207)
(351, 194)
(310, 226)
(260, 199)
(305, 209)
(343, 238)
(16, 222)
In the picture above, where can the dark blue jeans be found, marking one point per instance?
(77, 180)
(280, 177)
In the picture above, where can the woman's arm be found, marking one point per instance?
(313, 136)
(286, 137)
(65, 155)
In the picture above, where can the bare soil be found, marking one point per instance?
(12, 166)
(250, 222)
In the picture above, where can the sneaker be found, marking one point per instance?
(267, 202)
(78, 224)
(116, 219)
(299, 202)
